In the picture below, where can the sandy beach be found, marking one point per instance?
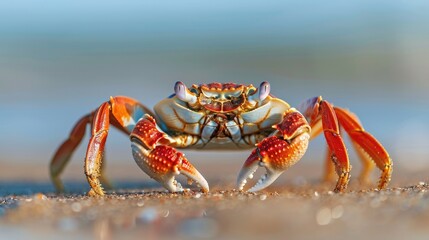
(295, 207)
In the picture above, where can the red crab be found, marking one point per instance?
(221, 115)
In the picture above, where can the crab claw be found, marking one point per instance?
(164, 163)
(249, 168)
(277, 153)
(161, 162)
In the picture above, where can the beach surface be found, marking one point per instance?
(298, 206)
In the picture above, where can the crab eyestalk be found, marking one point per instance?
(161, 162)
(260, 94)
(183, 93)
(278, 152)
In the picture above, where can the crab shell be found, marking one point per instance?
(220, 116)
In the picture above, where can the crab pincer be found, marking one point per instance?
(278, 152)
(151, 151)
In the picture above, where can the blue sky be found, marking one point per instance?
(193, 22)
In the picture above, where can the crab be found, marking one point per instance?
(222, 115)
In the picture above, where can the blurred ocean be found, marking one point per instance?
(60, 60)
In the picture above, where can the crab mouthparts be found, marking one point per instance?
(266, 179)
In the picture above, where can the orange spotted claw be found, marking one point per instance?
(161, 162)
(278, 152)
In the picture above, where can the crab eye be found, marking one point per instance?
(264, 90)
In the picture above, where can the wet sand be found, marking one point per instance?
(293, 208)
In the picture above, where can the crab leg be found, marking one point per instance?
(278, 152)
(336, 145)
(322, 118)
(94, 153)
(161, 162)
(367, 145)
(366, 160)
(122, 113)
(65, 151)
